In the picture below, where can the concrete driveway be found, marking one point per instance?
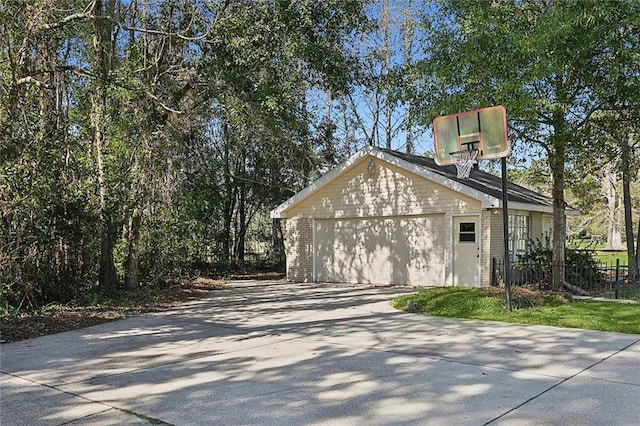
(275, 353)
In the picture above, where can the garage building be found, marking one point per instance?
(386, 217)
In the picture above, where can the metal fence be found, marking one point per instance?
(602, 280)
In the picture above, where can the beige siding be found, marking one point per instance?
(465, 254)
(299, 249)
(389, 191)
(492, 243)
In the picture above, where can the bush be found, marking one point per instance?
(581, 267)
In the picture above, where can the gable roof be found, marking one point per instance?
(480, 185)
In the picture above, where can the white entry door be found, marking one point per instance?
(466, 251)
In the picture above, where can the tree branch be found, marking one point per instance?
(162, 104)
(64, 21)
(30, 80)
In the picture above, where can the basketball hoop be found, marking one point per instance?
(465, 161)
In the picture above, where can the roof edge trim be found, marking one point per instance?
(278, 212)
(486, 200)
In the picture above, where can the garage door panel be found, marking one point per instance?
(346, 251)
(381, 250)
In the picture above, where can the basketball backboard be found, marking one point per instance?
(484, 130)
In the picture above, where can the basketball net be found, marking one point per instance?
(466, 160)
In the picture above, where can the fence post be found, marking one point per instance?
(493, 271)
(615, 283)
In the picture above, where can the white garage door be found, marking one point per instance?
(400, 250)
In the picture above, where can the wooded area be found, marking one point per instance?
(149, 139)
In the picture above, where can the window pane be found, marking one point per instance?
(467, 232)
(467, 227)
(467, 238)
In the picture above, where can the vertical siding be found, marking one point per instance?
(535, 225)
(541, 226)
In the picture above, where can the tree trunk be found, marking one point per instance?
(133, 237)
(386, 72)
(559, 230)
(228, 204)
(107, 274)
(107, 279)
(637, 277)
(609, 188)
(556, 161)
(632, 254)
(374, 138)
(242, 230)
(408, 129)
(277, 240)
(408, 29)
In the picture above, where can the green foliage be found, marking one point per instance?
(539, 252)
(583, 269)
(587, 191)
(205, 129)
(542, 309)
(209, 122)
(533, 174)
(559, 67)
(47, 224)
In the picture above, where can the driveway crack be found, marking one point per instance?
(561, 382)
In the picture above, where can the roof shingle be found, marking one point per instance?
(478, 180)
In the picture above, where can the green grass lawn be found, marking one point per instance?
(528, 308)
(609, 257)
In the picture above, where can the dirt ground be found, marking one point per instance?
(59, 318)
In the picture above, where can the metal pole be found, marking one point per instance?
(505, 231)
(617, 276)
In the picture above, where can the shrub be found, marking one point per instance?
(581, 267)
